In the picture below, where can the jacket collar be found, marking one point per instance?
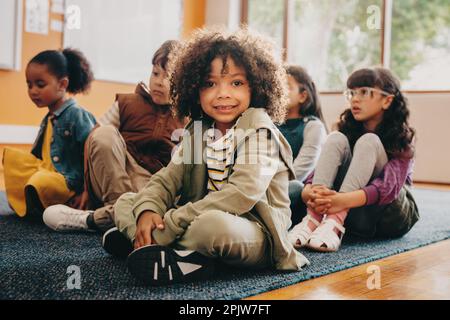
(255, 118)
(69, 102)
(144, 92)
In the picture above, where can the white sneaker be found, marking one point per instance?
(63, 218)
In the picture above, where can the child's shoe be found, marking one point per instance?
(324, 238)
(159, 265)
(63, 218)
(300, 234)
(116, 244)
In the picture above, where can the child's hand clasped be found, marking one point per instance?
(146, 223)
(320, 199)
(331, 204)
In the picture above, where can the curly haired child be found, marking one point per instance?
(231, 172)
(369, 161)
(53, 172)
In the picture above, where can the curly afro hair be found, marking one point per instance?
(252, 52)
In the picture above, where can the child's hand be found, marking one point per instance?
(319, 199)
(312, 192)
(147, 221)
(332, 204)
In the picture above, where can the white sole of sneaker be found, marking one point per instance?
(106, 233)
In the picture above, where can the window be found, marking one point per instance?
(334, 38)
(120, 37)
(420, 46)
(266, 16)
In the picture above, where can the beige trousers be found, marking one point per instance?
(235, 240)
(112, 172)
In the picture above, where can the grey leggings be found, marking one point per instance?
(338, 169)
(342, 170)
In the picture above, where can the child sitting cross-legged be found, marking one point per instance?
(224, 195)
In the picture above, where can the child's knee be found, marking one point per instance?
(102, 138)
(211, 228)
(338, 140)
(369, 141)
(123, 209)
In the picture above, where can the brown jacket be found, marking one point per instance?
(147, 128)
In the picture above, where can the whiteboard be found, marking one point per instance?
(119, 37)
(10, 34)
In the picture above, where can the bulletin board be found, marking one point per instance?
(10, 34)
(119, 37)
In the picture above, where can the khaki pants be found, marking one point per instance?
(112, 172)
(235, 240)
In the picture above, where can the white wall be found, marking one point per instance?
(223, 12)
(430, 116)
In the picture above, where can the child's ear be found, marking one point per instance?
(387, 102)
(64, 83)
(302, 96)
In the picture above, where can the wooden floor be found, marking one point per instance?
(423, 273)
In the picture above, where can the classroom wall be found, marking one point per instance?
(17, 109)
(429, 112)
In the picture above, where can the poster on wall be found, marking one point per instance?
(37, 16)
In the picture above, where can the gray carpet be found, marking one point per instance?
(34, 261)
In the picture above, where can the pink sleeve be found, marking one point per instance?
(386, 187)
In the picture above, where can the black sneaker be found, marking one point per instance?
(158, 265)
(116, 244)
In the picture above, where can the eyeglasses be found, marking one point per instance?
(363, 93)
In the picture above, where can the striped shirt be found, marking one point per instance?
(219, 158)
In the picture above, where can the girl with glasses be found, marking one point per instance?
(363, 175)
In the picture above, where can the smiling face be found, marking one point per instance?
(159, 85)
(44, 89)
(370, 109)
(226, 93)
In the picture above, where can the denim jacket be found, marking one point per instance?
(71, 127)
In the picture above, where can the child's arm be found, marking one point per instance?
(314, 137)
(382, 190)
(84, 123)
(386, 187)
(111, 117)
(338, 202)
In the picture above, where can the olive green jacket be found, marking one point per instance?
(257, 189)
